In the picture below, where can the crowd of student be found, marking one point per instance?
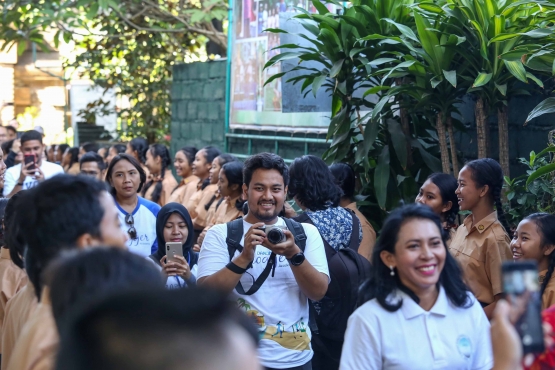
(85, 282)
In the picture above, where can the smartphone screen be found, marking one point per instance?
(30, 158)
(522, 289)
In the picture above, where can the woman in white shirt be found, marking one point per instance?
(418, 312)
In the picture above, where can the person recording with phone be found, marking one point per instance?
(175, 255)
(33, 170)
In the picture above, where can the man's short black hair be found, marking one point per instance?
(31, 135)
(170, 329)
(11, 128)
(81, 277)
(90, 147)
(57, 212)
(93, 157)
(266, 161)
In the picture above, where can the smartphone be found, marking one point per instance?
(522, 290)
(30, 158)
(173, 249)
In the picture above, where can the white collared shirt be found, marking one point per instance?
(446, 337)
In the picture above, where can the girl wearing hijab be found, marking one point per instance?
(173, 224)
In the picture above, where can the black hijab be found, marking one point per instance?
(163, 215)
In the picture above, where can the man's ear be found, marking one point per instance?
(85, 241)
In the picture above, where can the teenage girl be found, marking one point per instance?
(70, 161)
(161, 182)
(183, 164)
(201, 169)
(534, 239)
(138, 148)
(481, 243)
(438, 192)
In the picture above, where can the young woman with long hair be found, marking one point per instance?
(438, 192)
(70, 161)
(183, 163)
(161, 182)
(534, 239)
(481, 243)
(113, 151)
(201, 169)
(138, 148)
(137, 215)
(416, 287)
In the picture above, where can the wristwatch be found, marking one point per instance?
(297, 259)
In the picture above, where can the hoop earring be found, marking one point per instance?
(392, 273)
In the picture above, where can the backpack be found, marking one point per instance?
(348, 270)
(234, 236)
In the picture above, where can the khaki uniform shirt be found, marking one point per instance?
(368, 234)
(199, 220)
(18, 311)
(227, 212)
(37, 346)
(480, 251)
(192, 202)
(168, 185)
(12, 280)
(548, 297)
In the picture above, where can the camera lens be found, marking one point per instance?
(275, 236)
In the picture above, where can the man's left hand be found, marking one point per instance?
(288, 248)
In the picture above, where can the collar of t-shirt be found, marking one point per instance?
(482, 225)
(411, 309)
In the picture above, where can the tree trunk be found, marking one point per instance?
(405, 125)
(481, 128)
(503, 122)
(441, 134)
(454, 159)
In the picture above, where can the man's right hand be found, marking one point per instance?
(253, 237)
(25, 171)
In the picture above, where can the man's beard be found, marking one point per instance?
(264, 217)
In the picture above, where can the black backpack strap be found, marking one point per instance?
(234, 235)
(355, 241)
(298, 232)
(233, 241)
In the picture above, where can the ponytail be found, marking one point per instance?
(487, 171)
(158, 150)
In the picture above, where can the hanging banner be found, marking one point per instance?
(278, 104)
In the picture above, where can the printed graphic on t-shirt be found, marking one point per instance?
(288, 335)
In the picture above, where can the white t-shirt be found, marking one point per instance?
(176, 282)
(12, 176)
(279, 307)
(144, 217)
(446, 337)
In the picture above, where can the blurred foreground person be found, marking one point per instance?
(177, 329)
(418, 314)
(63, 213)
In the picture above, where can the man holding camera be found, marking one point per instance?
(33, 170)
(271, 281)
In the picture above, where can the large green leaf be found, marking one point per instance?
(517, 69)
(540, 172)
(545, 107)
(399, 141)
(549, 149)
(370, 135)
(282, 56)
(318, 81)
(375, 90)
(277, 75)
(381, 177)
(336, 68)
(535, 79)
(320, 7)
(405, 30)
(482, 79)
(536, 33)
(378, 108)
(451, 76)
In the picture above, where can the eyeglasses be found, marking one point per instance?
(131, 222)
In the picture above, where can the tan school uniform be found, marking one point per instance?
(12, 280)
(168, 184)
(199, 220)
(548, 297)
(75, 169)
(191, 184)
(211, 214)
(368, 233)
(37, 346)
(480, 251)
(227, 212)
(192, 202)
(18, 311)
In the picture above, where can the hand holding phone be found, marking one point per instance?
(522, 289)
(30, 158)
(173, 249)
